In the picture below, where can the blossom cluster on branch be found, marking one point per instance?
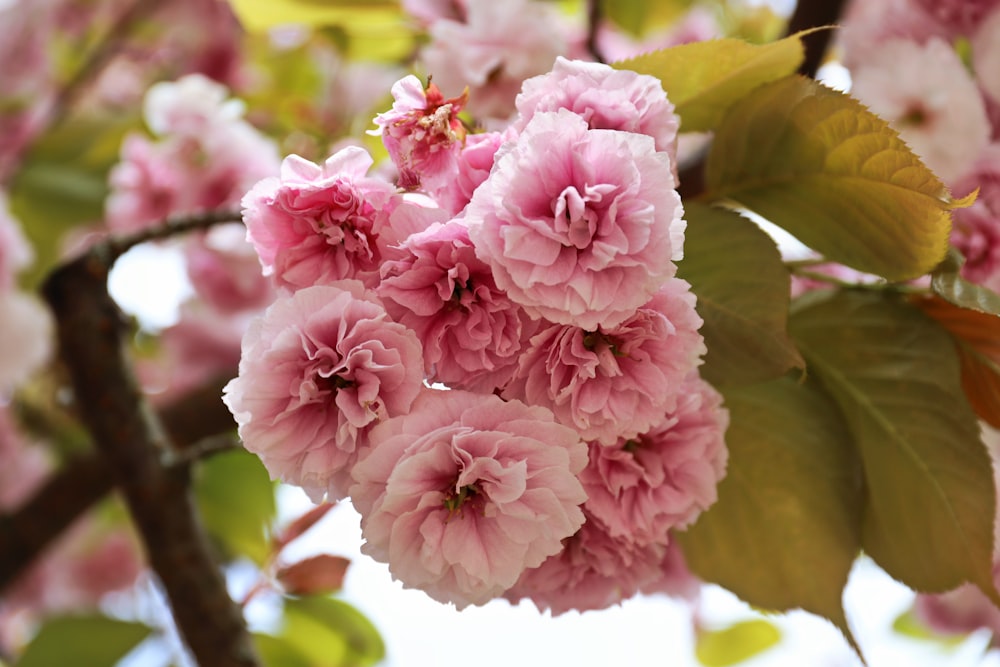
(443, 350)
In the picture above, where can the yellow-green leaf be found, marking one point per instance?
(82, 641)
(930, 499)
(819, 164)
(640, 16)
(785, 530)
(735, 643)
(703, 79)
(742, 286)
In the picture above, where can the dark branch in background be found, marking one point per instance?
(86, 479)
(808, 14)
(115, 246)
(595, 15)
(92, 343)
(814, 14)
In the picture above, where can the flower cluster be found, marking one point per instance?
(493, 357)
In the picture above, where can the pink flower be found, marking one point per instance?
(869, 25)
(607, 98)
(422, 132)
(497, 47)
(205, 157)
(319, 224)
(579, 226)
(697, 25)
(959, 611)
(614, 382)
(318, 369)
(474, 163)
(466, 491)
(986, 54)
(25, 464)
(976, 229)
(643, 487)
(960, 18)
(593, 571)
(26, 331)
(927, 94)
(225, 271)
(471, 332)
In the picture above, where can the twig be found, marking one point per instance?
(595, 15)
(115, 246)
(814, 14)
(91, 337)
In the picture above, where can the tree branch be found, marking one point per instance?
(90, 332)
(813, 14)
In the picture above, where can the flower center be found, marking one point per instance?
(455, 501)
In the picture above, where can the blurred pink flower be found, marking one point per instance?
(976, 229)
(15, 251)
(466, 491)
(204, 156)
(615, 382)
(698, 24)
(225, 271)
(986, 54)
(319, 223)
(927, 94)
(579, 226)
(471, 332)
(608, 99)
(474, 163)
(869, 25)
(492, 51)
(318, 369)
(422, 133)
(25, 464)
(593, 571)
(643, 487)
(958, 18)
(26, 337)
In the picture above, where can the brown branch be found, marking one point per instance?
(91, 338)
(814, 14)
(595, 15)
(115, 246)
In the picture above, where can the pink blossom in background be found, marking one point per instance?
(202, 347)
(869, 24)
(471, 333)
(26, 337)
(422, 132)
(15, 251)
(644, 487)
(976, 230)
(959, 18)
(492, 51)
(986, 54)
(615, 382)
(204, 156)
(928, 95)
(579, 226)
(593, 571)
(608, 99)
(466, 491)
(225, 271)
(473, 165)
(319, 223)
(697, 25)
(318, 369)
(429, 11)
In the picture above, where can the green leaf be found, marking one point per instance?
(279, 652)
(784, 532)
(82, 641)
(928, 520)
(947, 282)
(639, 16)
(331, 632)
(736, 643)
(819, 164)
(742, 286)
(704, 79)
(236, 501)
(977, 338)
